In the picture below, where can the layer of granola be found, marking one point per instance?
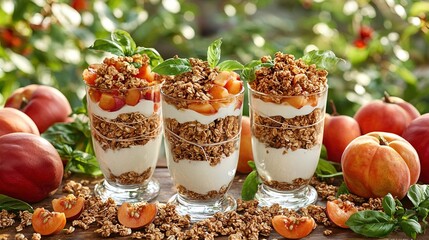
(284, 186)
(132, 177)
(279, 132)
(191, 195)
(128, 129)
(203, 142)
(289, 77)
(122, 72)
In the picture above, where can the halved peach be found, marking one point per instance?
(70, 205)
(46, 222)
(234, 86)
(203, 108)
(136, 215)
(293, 227)
(132, 97)
(218, 92)
(340, 211)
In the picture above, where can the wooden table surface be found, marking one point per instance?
(167, 190)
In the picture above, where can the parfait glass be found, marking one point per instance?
(287, 134)
(202, 140)
(126, 129)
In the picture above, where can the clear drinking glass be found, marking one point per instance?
(287, 134)
(126, 129)
(202, 140)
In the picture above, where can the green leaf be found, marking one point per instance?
(13, 204)
(155, 57)
(389, 205)
(248, 72)
(324, 168)
(107, 46)
(124, 39)
(230, 65)
(411, 227)
(371, 223)
(418, 193)
(322, 59)
(342, 189)
(252, 165)
(213, 53)
(419, 8)
(173, 66)
(250, 186)
(85, 163)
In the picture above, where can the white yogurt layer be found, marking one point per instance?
(274, 165)
(144, 106)
(134, 158)
(269, 109)
(188, 115)
(199, 176)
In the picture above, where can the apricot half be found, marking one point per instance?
(293, 227)
(70, 205)
(136, 215)
(340, 211)
(46, 222)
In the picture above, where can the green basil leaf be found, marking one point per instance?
(411, 227)
(324, 152)
(322, 59)
(342, 189)
(371, 223)
(418, 193)
(13, 204)
(107, 46)
(248, 74)
(389, 205)
(230, 65)
(253, 64)
(84, 163)
(173, 66)
(124, 39)
(154, 56)
(250, 186)
(325, 167)
(252, 165)
(213, 53)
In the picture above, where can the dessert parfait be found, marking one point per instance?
(123, 101)
(202, 111)
(287, 105)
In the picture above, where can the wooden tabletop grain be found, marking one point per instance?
(167, 190)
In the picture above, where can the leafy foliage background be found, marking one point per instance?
(46, 42)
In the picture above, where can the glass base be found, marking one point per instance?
(199, 210)
(121, 193)
(295, 199)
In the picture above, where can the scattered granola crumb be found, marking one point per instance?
(327, 232)
(36, 236)
(20, 236)
(6, 218)
(77, 189)
(25, 220)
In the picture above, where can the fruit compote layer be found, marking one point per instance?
(202, 135)
(123, 104)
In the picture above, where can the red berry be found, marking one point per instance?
(365, 32)
(359, 43)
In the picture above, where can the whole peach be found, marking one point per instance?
(246, 152)
(339, 131)
(385, 115)
(379, 163)
(13, 120)
(417, 133)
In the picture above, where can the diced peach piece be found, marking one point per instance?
(107, 102)
(239, 104)
(153, 95)
(218, 92)
(296, 101)
(89, 76)
(312, 100)
(145, 72)
(94, 94)
(217, 105)
(222, 78)
(203, 108)
(234, 86)
(132, 97)
(119, 103)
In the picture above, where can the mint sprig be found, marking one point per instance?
(176, 66)
(122, 44)
(412, 221)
